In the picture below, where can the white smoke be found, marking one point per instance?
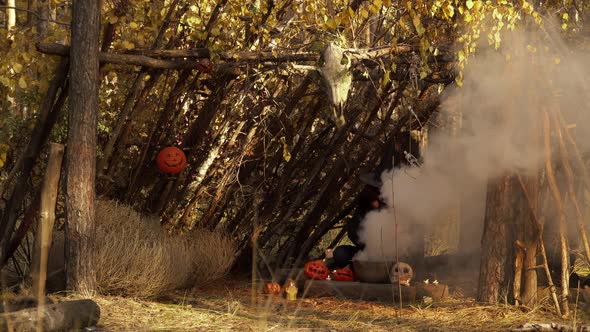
(502, 102)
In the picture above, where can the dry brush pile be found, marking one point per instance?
(137, 257)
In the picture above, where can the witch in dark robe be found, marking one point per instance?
(369, 200)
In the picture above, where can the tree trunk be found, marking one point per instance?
(43, 19)
(498, 240)
(11, 14)
(81, 149)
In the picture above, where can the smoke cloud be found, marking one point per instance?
(501, 106)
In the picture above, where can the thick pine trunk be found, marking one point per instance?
(497, 241)
(81, 149)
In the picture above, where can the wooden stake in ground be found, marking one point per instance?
(81, 148)
(46, 221)
(518, 262)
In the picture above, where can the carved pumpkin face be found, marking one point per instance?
(403, 272)
(316, 270)
(344, 274)
(272, 288)
(171, 160)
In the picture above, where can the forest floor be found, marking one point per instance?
(226, 306)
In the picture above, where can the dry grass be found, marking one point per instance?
(136, 257)
(225, 306)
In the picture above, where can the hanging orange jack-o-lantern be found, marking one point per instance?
(171, 160)
(316, 270)
(344, 274)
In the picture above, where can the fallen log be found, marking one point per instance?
(62, 316)
(20, 303)
(536, 327)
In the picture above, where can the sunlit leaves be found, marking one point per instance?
(459, 79)
(418, 25)
(364, 13)
(286, 153)
(3, 154)
(22, 83)
(449, 11)
(17, 67)
(461, 56)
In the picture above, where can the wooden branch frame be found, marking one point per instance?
(177, 59)
(123, 59)
(539, 230)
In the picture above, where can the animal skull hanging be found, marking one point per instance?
(401, 272)
(337, 80)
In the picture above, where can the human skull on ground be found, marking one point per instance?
(401, 272)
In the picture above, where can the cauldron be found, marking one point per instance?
(373, 272)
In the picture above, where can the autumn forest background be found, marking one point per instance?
(281, 108)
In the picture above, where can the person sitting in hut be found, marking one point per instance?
(370, 197)
(369, 200)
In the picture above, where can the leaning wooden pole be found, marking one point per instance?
(46, 221)
(539, 231)
(565, 159)
(580, 164)
(561, 211)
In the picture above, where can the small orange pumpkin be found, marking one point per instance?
(344, 274)
(171, 160)
(272, 288)
(316, 270)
